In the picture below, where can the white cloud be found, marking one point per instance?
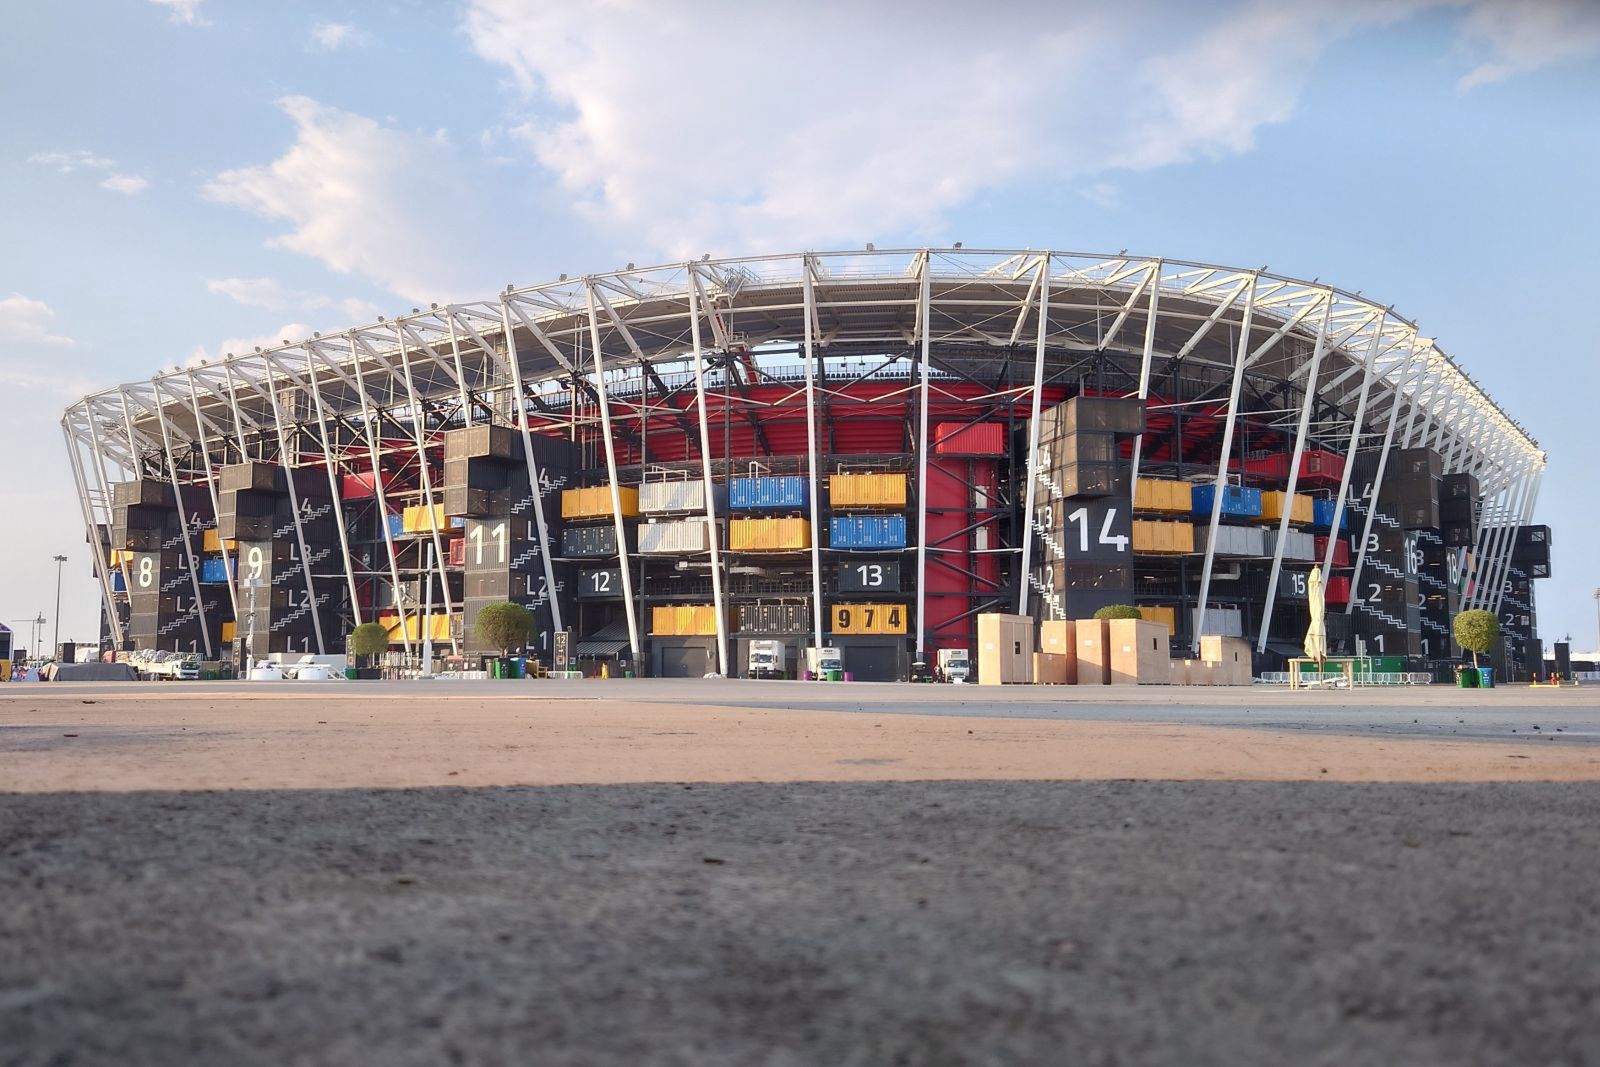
(127, 184)
(1528, 36)
(67, 162)
(24, 320)
(271, 294)
(332, 36)
(396, 206)
(850, 121)
(186, 12)
(289, 331)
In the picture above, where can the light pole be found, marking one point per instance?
(56, 643)
(1597, 617)
(251, 584)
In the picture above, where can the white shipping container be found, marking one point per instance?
(1223, 622)
(673, 538)
(1233, 540)
(1298, 547)
(658, 498)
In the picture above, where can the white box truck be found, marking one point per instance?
(955, 665)
(767, 660)
(819, 661)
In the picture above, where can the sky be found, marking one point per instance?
(184, 178)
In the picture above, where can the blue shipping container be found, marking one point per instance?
(117, 584)
(867, 531)
(787, 491)
(397, 526)
(1237, 501)
(1322, 516)
(214, 571)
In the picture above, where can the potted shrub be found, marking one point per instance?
(1118, 611)
(1477, 631)
(366, 641)
(504, 626)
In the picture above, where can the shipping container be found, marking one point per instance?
(1238, 501)
(1458, 536)
(768, 535)
(1219, 621)
(867, 531)
(1414, 461)
(1322, 515)
(212, 541)
(1164, 614)
(1459, 487)
(683, 620)
(1336, 590)
(481, 442)
(1298, 546)
(216, 571)
(464, 501)
(1341, 551)
(867, 491)
(1316, 467)
(588, 541)
(438, 627)
(673, 538)
(1100, 414)
(769, 492)
(1162, 538)
(1086, 446)
(252, 476)
(674, 496)
(422, 519)
(1272, 506)
(1092, 479)
(784, 617)
(118, 585)
(1233, 540)
(397, 526)
(228, 631)
(1156, 494)
(595, 502)
(458, 552)
(970, 439)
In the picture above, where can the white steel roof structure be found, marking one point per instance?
(939, 310)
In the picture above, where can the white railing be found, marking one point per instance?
(1362, 679)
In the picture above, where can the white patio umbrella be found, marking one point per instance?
(1316, 646)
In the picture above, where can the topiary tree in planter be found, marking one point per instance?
(505, 626)
(1118, 611)
(366, 641)
(1476, 631)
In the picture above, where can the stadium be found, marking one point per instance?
(861, 450)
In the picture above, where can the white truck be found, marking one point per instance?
(955, 665)
(181, 666)
(819, 661)
(767, 660)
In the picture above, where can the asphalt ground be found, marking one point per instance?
(1185, 917)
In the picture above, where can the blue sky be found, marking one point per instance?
(187, 177)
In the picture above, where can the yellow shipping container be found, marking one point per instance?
(684, 620)
(1157, 494)
(594, 502)
(1272, 507)
(867, 490)
(119, 556)
(438, 626)
(768, 535)
(868, 618)
(1162, 538)
(415, 519)
(1166, 616)
(213, 542)
(229, 629)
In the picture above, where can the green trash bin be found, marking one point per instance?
(352, 673)
(834, 676)
(1466, 677)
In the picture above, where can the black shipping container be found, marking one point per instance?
(147, 492)
(254, 476)
(480, 442)
(1103, 414)
(1093, 479)
(476, 474)
(1418, 514)
(1405, 462)
(589, 541)
(1085, 447)
(1409, 488)
(1459, 487)
(460, 500)
(1458, 536)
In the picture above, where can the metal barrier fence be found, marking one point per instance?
(1363, 678)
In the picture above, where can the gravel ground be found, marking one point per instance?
(787, 924)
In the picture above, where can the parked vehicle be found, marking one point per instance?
(767, 660)
(955, 665)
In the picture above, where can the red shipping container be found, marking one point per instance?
(969, 439)
(1341, 551)
(1319, 468)
(1336, 590)
(457, 553)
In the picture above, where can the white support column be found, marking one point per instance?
(924, 328)
(461, 374)
(1371, 491)
(419, 428)
(1306, 405)
(1030, 494)
(1221, 481)
(1506, 541)
(299, 528)
(104, 484)
(712, 537)
(233, 406)
(183, 518)
(216, 502)
(1529, 498)
(370, 432)
(333, 485)
(811, 458)
(611, 473)
(102, 565)
(532, 464)
(1144, 371)
(1354, 445)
